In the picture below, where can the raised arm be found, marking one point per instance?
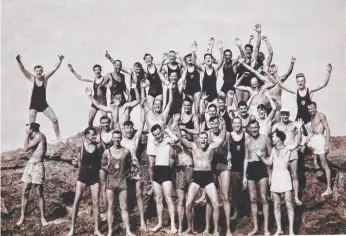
(183, 141)
(109, 57)
(281, 84)
(238, 43)
(56, 67)
(204, 96)
(26, 73)
(299, 124)
(70, 67)
(325, 83)
(182, 82)
(194, 56)
(251, 38)
(217, 143)
(285, 76)
(272, 105)
(240, 87)
(211, 45)
(252, 70)
(30, 144)
(170, 102)
(326, 127)
(222, 58)
(258, 43)
(88, 91)
(195, 130)
(161, 67)
(270, 53)
(138, 98)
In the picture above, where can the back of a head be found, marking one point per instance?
(280, 134)
(88, 130)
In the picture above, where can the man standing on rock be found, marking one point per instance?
(318, 143)
(34, 173)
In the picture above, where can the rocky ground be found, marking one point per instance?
(316, 216)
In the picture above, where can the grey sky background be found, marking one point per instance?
(310, 30)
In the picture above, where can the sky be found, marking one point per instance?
(312, 30)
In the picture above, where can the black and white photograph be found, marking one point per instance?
(154, 118)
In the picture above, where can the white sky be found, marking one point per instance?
(311, 30)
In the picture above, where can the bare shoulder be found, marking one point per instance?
(322, 116)
(41, 137)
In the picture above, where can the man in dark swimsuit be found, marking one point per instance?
(38, 101)
(99, 87)
(89, 166)
(229, 72)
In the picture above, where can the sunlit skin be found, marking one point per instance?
(272, 69)
(254, 83)
(262, 113)
(187, 106)
(97, 71)
(301, 82)
(248, 52)
(157, 106)
(116, 138)
(148, 60)
(275, 139)
(172, 57)
(203, 141)
(221, 104)
(212, 112)
(158, 135)
(105, 124)
(243, 111)
(208, 60)
(236, 124)
(173, 78)
(312, 109)
(228, 56)
(117, 66)
(285, 117)
(38, 72)
(254, 130)
(188, 60)
(215, 126)
(128, 131)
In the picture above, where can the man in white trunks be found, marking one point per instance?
(202, 176)
(291, 132)
(163, 176)
(38, 101)
(319, 143)
(34, 172)
(281, 180)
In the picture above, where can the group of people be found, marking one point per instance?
(197, 137)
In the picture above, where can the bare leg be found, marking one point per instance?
(110, 211)
(180, 209)
(159, 205)
(191, 194)
(235, 191)
(95, 192)
(264, 190)
(225, 178)
(124, 212)
(254, 207)
(51, 115)
(208, 211)
(277, 212)
(211, 191)
(92, 114)
(32, 115)
(326, 168)
(290, 210)
(151, 172)
(25, 197)
(294, 174)
(78, 195)
(41, 203)
(167, 191)
(197, 101)
(140, 204)
(246, 96)
(103, 176)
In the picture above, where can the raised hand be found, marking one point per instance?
(165, 56)
(211, 41)
(116, 102)
(143, 84)
(237, 41)
(69, 66)
(241, 60)
(194, 46)
(61, 57)
(258, 28)
(252, 37)
(28, 129)
(264, 38)
(299, 123)
(274, 69)
(88, 91)
(293, 59)
(18, 57)
(170, 86)
(230, 93)
(204, 96)
(144, 102)
(108, 56)
(329, 68)
(219, 44)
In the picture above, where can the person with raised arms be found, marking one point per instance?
(99, 87)
(38, 101)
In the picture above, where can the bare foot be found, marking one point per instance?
(44, 222)
(128, 233)
(143, 227)
(229, 233)
(188, 231)
(217, 233)
(291, 233)
(278, 232)
(98, 233)
(254, 231)
(21, 221)
(172, 231)
(110, 233)
(327, 192)
(298, 202)
(71, 233)
(156, 228)
(235, 215)
(266, 232)
(206, 231)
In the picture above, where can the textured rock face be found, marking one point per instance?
(316, 216)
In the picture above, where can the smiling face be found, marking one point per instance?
(236, 124)
(117, 66)
(208, 60)
(148, 60)
(116, 138)
(254, 83)
(173, 77)
(158, 135)
(188, 60)
(312, 109)
(91, 136)
(97, 71)
(275, 139)
(128, 131)
(157, 105)
(172, 57)
(262, 112)
(105, 124)
(38, 71)
(285, 116)
(215, 125)
(212, 112)
(301, 82)
(248, 52)
(187, 107)
(243, 110)
(228, 56)
(203, 140)
(254, 129)
(137, 69)
(221, 104)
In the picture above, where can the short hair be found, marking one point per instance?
(97, 66)
(117, 132)
(105, 118)
(203, 133)
(312, 103)
(208, 54)
(236, 117)
(223, 98)
(88, 130)
(261, 54)
(300, 75)
(281, 135)
(187, 55)
(37, 67)
(227, 50)
(118, 61)
(128, 123)
(212, 119)
(186, 99)
(34, 126)
(261, 107)
(172, 51)
(212, 105)
(172, 72)
(253, 122)
(248, 46)
(155, 127)
(147, 54)
(137, 64)
(242, 103)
